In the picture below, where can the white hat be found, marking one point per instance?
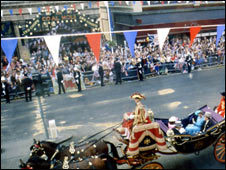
(178, 123)
(208, 114)
(172, 119)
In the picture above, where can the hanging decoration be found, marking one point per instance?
(39, 10)
(130, 38)
(82, 6)
(162, 34)
(90, 4)
(30, 10)
(8, 47)
(20, 11)
(94, 43)
(193, 32)
(11, 12)
(1, 13)
(220, 30)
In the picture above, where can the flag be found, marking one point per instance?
(220, 30)
(193, 32)
(98, 4)
(106, 3)
(127, 2)
(90, 4)
(82, 5)
(142, 3)
(74, 6)
(39, 10)
(162, 34)
(94, 43)
(112, 3)
(48, 8)
(1, 13)
(130, 38)
(120, 2)
(30, 10)
(149, 3)
(57, 8)
(134, 2)
(65, 6)
(53, 44)
(11, 12)
(8, 47)
(20, 11)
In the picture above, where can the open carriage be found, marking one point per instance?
(177, 144)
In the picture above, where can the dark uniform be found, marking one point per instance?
(140, 73)
(27, 83)
(77, 78)
(118, 72)
(60, 81)
(101, 73)
(189, 62)
(5, 86)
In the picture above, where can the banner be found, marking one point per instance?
(130, 38)
(94, 43)
(8, 47)
(193, 32)
(162, 34)
(53, 44)
(220, 30)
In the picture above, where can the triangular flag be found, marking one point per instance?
(193, 32)
(98, 4)
(65, 6)
(1, 13)
(20, 11)
(94, 43)
(48, 8)
(57, 8)
(82, 5)
(127, 2)
(90, 4)
(162, 2)
(112, 3)
(106, 3)
(134, 2)
(130, 38)
(11, 12)
(142, 3)
(148, 2)
(220, 30)
(120, 2)
(39, 10)
(53, 44)
(30, 10)
(162, 34)
(74, 6)
(9, 46)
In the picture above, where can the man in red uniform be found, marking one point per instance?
(221, 107)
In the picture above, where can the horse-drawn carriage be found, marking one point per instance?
(95, 154)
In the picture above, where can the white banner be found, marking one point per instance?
(30, 10)
(106, 3)
(53, 44)
(162, 34)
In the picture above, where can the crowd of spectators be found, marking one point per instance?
(172, 56)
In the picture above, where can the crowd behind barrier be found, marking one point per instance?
(172, 59)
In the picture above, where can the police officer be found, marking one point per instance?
(118, 71)
(77, 78)
(140, 73)
(189, 62)
(60, 80)
(27, 83)
(101, 73)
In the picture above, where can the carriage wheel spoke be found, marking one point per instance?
(222, 155)
(220, 144)
(220, 152)
(219, 148)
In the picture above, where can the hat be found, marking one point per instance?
(223, 93)
(198, 112)
(208, 114)
(172, 119)
(137, 96)
(178, 123)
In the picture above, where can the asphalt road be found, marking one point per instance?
(83, 114)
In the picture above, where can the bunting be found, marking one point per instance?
(8, 47)
(149, 3)
(82, 6)
(130, 38)
(127, 2)
(65, 7)
(39, 10)
(142, 3)
(134, 2)
(11, 12)
(1, 13)
(30, 10)
(193, 32)
(47, 8)
(20, 11)
(94, 43)
(162, 34)
(90, 4)
(120, 2)
(112, 3)
(220, 30)
(74, 6)
(98, 4)
(53, 44)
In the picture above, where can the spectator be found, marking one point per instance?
(27, 83)
(118, 71)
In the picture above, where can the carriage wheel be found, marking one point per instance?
(151, 165)
(219, 149)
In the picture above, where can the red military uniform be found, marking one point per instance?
(221, 107)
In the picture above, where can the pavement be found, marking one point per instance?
(90, 111)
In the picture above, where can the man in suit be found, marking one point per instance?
(139, 66)
(208, 122)
(77, 78)
(118, 71)
(189, 62)
(101, 73)
(60, 80)
(27, 83)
